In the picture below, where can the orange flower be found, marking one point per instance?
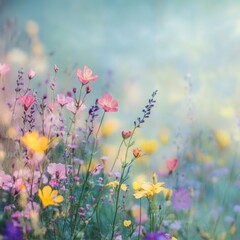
(137, 152)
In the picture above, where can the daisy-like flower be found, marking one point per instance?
(86, 75)
(181, 200)
(107, 103)
(27, 100)
(4, 68)
(34, 142)
(49, 197)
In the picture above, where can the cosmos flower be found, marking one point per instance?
(74, 109)
(86, 75)
(27, 100)
(57, 170)
(107, 103)
(49, 197)
(181, 199)
(34, 142)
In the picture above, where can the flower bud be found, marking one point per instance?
(137, 152)
(126, 134)
(55, 68)
(31, 74)
(88, 89)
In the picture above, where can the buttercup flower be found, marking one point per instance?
(127, 223)
(27, 100)
(86, 75)
(149, 146)
(34, 142)
(49, 197)
(107, 103)
(222, 137)
(4, 68)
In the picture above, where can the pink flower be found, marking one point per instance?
(4, 68)
(107, 103)
(57, 170)
(88, 89)
(172, 164)
(31, 207)
(62, 100)
(27, 100)
(86, 76)
(31, 74)
(126, 134)
(5, 181)
(75, 110)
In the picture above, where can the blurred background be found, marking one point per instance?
(187, 50)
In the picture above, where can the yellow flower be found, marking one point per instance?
(173, 238)
(127, 223)
(114, 184)
(149, 146)
(147, 189)
(34, 142)
(109, 127)
(164, 136)
(49, 196)
(223, 138)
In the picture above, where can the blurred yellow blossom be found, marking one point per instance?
(164, 136)
(222, 137)
(11, 132)
(109, 127)
(34, 142)
(115, 183)
(149, 146)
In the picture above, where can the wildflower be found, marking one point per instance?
(31, 74)
(5, 181)
(149, 146)
(74, 109)
(181, 199)
(4, 68)
(164, 136)
(167, 193)
(27, 100)
(115, 183)
(147, 189)
(172, 164)
(34, 142)
(136, 214)
(49, 197)
(86, 76)
(62, 100)
(222, 137)
(107, 103)
(127, 223)
(158, 236)
(137, 152)
(57, 170)
(126, 134)
(12, 231)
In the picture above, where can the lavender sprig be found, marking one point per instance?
(146, 111)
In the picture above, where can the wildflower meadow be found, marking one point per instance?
(85, 155)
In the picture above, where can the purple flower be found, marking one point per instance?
(12, 232)
(181, 199)
(158, 236)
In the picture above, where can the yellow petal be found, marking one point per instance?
(46, 191)
(58, 199)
